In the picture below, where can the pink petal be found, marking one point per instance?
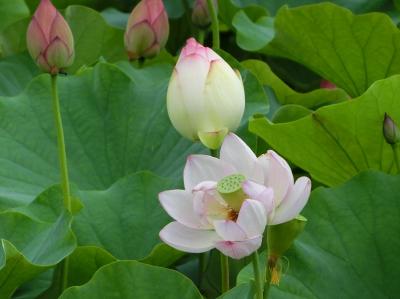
(60, 29)
(229, 230)
(235, 152)
(188, 239)
(179, 205)
(201, 168)
(45, 14)
(57, 54)
(252, 218)
(239, 249)
(279, 177)
(294, 202)
(258, 192)
(138, 39)
(35, 38)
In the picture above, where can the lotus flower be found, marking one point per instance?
(227, 202)
(49, 39)
(200, 14)
(147, 29)
(205, 98)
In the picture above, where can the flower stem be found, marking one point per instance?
(63, 168)
(201, 36)
(267, 282)
(214, 24)
(396, 157)
(214, 153)
(62, 156)
(257, 275)
(224, 273)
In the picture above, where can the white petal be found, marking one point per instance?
(201, 168)
(229, 230)
(235, 152)
(207, 204)
(280, 177)
(177, 111)
(294, 202)
(239, 249)
(258, 192)
(224, 106)
(187, 239)
(252, 218)
(179, 205)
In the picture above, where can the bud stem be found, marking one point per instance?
(214, 24)
(224, 273)
(61, 145)
(63, 168)
(257, 275)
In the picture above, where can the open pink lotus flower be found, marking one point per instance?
(227, 202)
(49, 39)
(147, 29)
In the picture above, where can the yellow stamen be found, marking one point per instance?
(275, 275)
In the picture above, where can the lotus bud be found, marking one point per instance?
(147, 30)
(201, 15)
(279, 239)
(327, 84)
(49, 39)
(205, 98)
(390, 130)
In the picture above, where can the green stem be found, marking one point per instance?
(200, 36)
(64, 274)
(257, 275)
(214, 153)
(267, 282)
(214, 24)
(224, 273)
(203, 259)
(62, 156)
(396, 157)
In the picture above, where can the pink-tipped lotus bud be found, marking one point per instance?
(205, 98)
(147, 29)
(49, 39)
(391, 131)
(327, 84)
(201, 15)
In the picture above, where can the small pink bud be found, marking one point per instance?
(49, 39)
(201, 15)
(327, 84)
(147, 29)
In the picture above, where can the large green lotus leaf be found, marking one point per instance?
(356, 6)
(338, 141)
(82, 264)
(132, 214)
(29, 247)
(286, 95)
(131, 279)
(114, 126)
(12, 11)
(350, 51)
(349, 241)
(93, 36)
(252, 36)
(15, 73)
